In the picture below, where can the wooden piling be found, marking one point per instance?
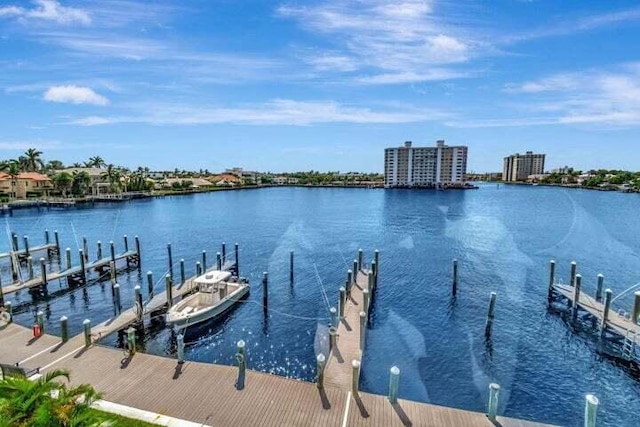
(64, 329)
(241, 357)
(46, 236)
(376, 258)
(112, 249)
(204, 260)
(30, 267)
(139, 303)
(355, 379)
(342, 302)
(599, 287)
(14, 241)
(363, 329)
(99, 244)
(169, 289)
(131, 340)
(291, 267)
(572, 274)
(150, 284)
(126, 243)
(198, 268)
(237, 260)
(605, 314)
(355, 271)
(394, 384)
(2, 304)
(56, 237)
(85, 248)
(68, 251)
(332, 338)
(552, 279)
(576, 296)
(40, 321)
(265, 290)
(454, 287)
(224, 252)
(635, 312)
(590, 410)
(87, 332)
(360, 260)
(43, 270)
(219, 261)
(370, 282)
(180, 342)
(492, 410)
(138, 253)
(365, 301)
(490, 315)
(113, 272)
(170, 259)
(26, 245)
(321, 363)
(116, 298)
(333, 315)
(182, 274)
(349, 282)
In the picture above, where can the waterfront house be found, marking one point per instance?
(98, 184)
(26, 184)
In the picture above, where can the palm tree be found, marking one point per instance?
(112, 175)
(32, 403)
(77, 165)
(13, 170)
(95, 162)
(81, 182)
(63, 182)
(32, 160)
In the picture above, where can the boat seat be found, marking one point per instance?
(187, 310)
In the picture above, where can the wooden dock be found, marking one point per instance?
(95, 265)
(22, 253)
(161, 385)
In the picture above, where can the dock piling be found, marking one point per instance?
(237, 260)
(14, 241)
(170, 259)
(116, 298)
(242, 364)
(605, 314)
(2, 303)
(370, 283)
(321, 361)
(599, 288)
(43, 270)
(204, 261)
(635, 312)
(355, 379)
(349, 283)
(112, 248)
(56, 237)
(99, 243)
(8, 306)
(454, 286)
(363, 329)
(576, 296)
(360, 258)
(490, 315)
(265, 290)
(150, 284)
(68, 251)
(342, 302)
(113, 272)
(83, 270)
(332, 338)
(26, 245)
(180, 341)
(30, 266)
(198, 268)
(40, 321)
(219, 261)
(182, 274)
(126, 243)
(376, 258)
(64, 329)
(224, 252)
(374, 267)
(169, 290)
(394, 384)
(552, 279)
(590, 410)
(139, 304)
(572, 274)
(492, 410)
(138, 253)
(333, 313)
(291, 267)
(46, 236)
(86, 324)
(365, 301)
(355, 271)
(85, 248)
(131, 340)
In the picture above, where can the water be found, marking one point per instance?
(503, 237)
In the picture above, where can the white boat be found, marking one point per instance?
(217, 292)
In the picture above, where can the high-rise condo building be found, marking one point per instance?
(518, 167)
(409, 166)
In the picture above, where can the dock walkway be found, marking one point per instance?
(207, 393)
(34, 249)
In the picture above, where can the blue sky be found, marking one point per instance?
(324, 85)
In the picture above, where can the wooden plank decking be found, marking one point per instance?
(206, 393)
(23, 252)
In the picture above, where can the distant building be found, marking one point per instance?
(518, 167)
(98, 183)
(25, 184)
(562, 171)
(410, 166)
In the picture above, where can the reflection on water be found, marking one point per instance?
(503, 239)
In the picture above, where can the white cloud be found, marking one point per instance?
(74, 95)
(274, 112)
(48, 10)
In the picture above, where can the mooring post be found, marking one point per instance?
(492, 410)
(85, 248)
(576, 296)
(126, 243)
(99, 250)
(26, 245)
(355, 379)
(138, 296)
(57, 240)
(180, 341)
(198, 268)
(590, 410)
(349, 283)
(116, 298)
(182, 274)
(370, 283)
(360, 258)
(572, 274)
(394, 384)
(374, 268)
(14, 240)
(355, 272)
(242, 364)
(9, 308)
(2, 303)
(333, 314)
(113, 272)
(43, 270)
(87, 332)
(342, 302)
(321, 361)
(363, 329)
(14, 271)
(169, 290)
(46, 236)
(40, 321)
(365, 301)
(150, 283)
(138, 253)
(83, 271)
(332, 338)
(219, 261)
(291, 267)
(131, 340)
(605, 314)
(30, 266)
(68, 251)
(599, 287)
(204, 260)
(635, 312)
(454, 287)
(265, 289)
(552, 279)
(64, 329)
(224, 252)
(170, 259)
(237, 260)
(112, 248)
(490, 315)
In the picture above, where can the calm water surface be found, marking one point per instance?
(503, 237)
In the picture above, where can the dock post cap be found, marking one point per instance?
(64, 318)
(264, 273)
(394, 370)
(355, 363)
(167, 276)
(334, 310)
(99, 242)
(592, 399)
(493, 294)
(117, 285)
(241, 344)
(363, 314)
(342, 289)
(40, 313)
(494, 386)
(573, 262)
(608, 291)
(553, 261)
(86, 321)
(136, 287)
(600, 275)
(111, 242)
(321, 358)
(149, 272)
(376, 250)
(68, 249)
(181, 259)
(579, 275)
(124, 235)
(42, 259)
